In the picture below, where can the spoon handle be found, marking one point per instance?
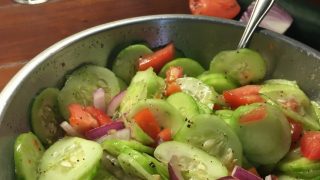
(260, 9)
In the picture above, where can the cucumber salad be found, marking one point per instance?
(156, 114)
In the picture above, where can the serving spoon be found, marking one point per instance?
(260, 9)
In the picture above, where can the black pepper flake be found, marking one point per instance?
(152, 165)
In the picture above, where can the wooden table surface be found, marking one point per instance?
(26, 30)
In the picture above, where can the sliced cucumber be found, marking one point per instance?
(193, 162)
(70, 158)
(242, 66)
(198, 90)
(126, 63)
(28, 151)
(275, 144)
(166, 115)
(184, 103)
(190, 67)
(138, 134)
(214, 136)
(132, 167)
(45, 116)
(161, 168)
(103, 174)
(145, 84)
(83, 82)
(115, 146)
(218, 81)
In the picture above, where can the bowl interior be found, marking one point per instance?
(199, 38)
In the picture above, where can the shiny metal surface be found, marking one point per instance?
(198, 37)
(259, 11)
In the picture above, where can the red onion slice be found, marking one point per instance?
(123, 134)
(174, 171)
(228, 178)
(243, 174)
(115, 103)
(69, 129)
(277, 19)
(102, 130)
(99, 99)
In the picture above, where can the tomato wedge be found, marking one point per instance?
(218, 8)
(147, 123)
(81, 120)
(173, 73)
(254, 115)
(296, 131)
(99, 115)
(243, 96)
(310, 145)
(157, 59)
(164, 135)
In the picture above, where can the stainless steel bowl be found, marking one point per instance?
(198, 37)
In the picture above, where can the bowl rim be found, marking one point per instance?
(8, 92)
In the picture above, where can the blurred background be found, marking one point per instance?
(26, 30)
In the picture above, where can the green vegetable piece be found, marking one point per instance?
(198, 90)
(218, 81)
(282, 81)
(297, 166)
(242, 66)
(138, 134)
(111, 165)
(45, 116)
(103, 174)
(161, 168)
(28, 150)
(70, 158)
(115, 146)
(184, 103)
(278, 94)
(126, 62)
(122, 84)
(134, 168)
(81, 85)
(214, 136)
(204, 109)
(227, 116)
(316, 109)
(267, 140)
(190, 67)
(166, 115)
(145, 84)
(193, 162)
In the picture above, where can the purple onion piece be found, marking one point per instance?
(174, 171)
(277, 19)
(102, 130)
(115, 103)
(99, 99)
(228, 178)
(122, 134)
(243, 174)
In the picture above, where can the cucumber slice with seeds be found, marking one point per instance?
(45, 116)
(28, 150)
(70, 158)
(126, 63)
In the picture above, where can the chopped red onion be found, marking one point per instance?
(242, 174)
(123, 134)
(99, 99)
(104, 129)
(277, 19)
(228, 178)
(174, 171)
(115, 103)
(69, 129)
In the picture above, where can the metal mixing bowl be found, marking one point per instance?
(198, 37)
